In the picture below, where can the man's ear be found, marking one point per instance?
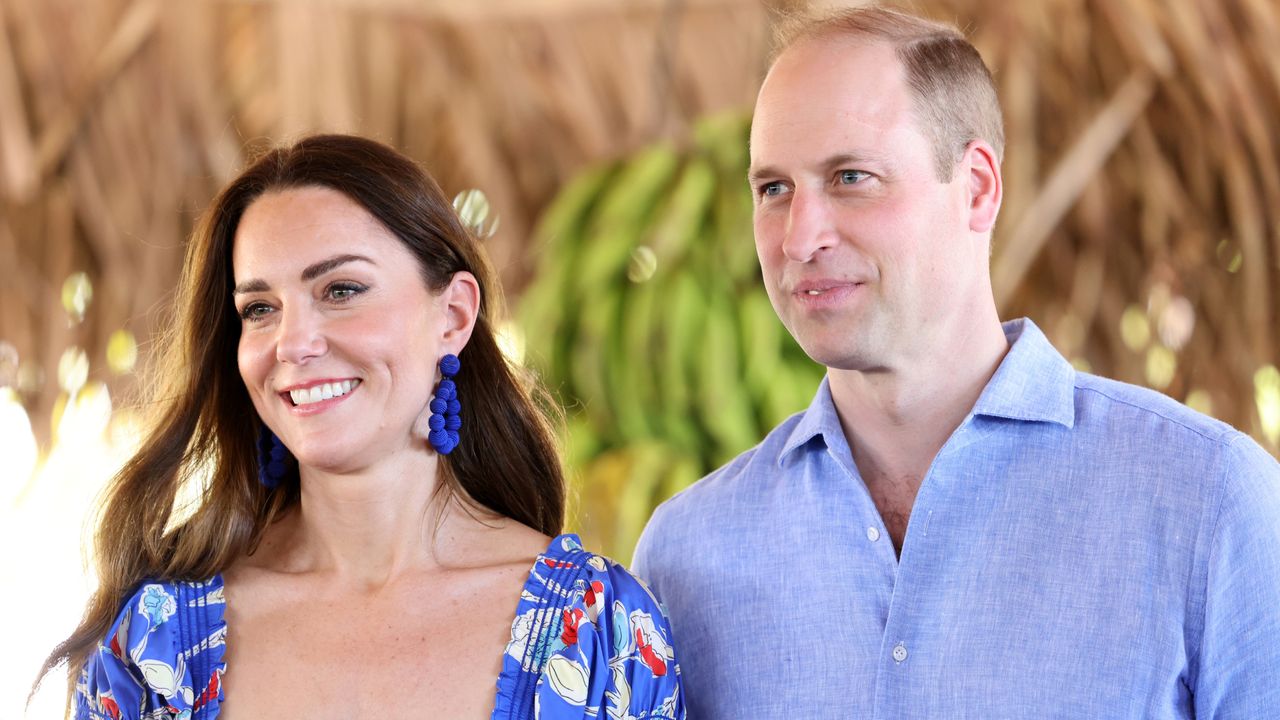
(986, 189)
(460, 301)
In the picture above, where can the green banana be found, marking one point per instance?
(630, 371)
(556, 241)
(587, 369)
(623, 212)
(684, 221)
(762, 334)
(725, 408)
(686, 317)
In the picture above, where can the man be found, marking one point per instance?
(960, 525)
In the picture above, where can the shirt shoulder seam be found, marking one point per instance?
(1225, 437)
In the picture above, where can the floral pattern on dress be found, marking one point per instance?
(144, 668)
(589, 640)
(602, 643)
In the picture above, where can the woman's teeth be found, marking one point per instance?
(326, 391)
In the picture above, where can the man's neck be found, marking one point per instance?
(897, 419)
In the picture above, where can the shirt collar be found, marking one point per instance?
(1033, 383)
(819, 419)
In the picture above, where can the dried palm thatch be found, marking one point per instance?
(119, 120)
(1140, 227)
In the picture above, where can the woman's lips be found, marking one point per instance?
(318, 396)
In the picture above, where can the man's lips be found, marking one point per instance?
(820, 295)
(818, 288)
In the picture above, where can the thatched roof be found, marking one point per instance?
(1141, 172)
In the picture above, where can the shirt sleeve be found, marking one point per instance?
(618, 659)
(1237, 674)
(144, 664)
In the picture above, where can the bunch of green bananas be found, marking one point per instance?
(648, 320)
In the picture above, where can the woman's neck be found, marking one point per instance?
(364, 528)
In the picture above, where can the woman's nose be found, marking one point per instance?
(299, 336)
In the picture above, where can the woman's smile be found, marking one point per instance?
(319, 395)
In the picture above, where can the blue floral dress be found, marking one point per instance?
(589, 640)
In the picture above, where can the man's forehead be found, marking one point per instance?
(836, 74)
(836, 94)
(857, 56)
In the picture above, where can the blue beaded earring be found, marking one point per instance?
(445, 421)
(273, 458)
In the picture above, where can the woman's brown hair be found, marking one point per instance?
(506, 462)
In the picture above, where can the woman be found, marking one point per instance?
(361, 542)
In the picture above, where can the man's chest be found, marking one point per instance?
(997, 598)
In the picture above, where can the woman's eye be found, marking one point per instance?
(255, 311)
(345, 290)
(852, 177)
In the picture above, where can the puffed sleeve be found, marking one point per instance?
(1237, 671)
(161, 658)
(618, 660)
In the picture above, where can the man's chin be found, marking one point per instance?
(845, 355)
(828, 347)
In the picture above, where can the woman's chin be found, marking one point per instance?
(331, 460)
(345, 460)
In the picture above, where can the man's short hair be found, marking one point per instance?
(954, 96)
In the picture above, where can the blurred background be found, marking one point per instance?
(1140, 230)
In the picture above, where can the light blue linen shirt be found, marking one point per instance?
(1080, 548)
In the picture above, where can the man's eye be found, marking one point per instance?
(771, 189)
(852, 177)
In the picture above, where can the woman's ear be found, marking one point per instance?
(460, 301)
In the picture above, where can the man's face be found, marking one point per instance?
(867, 257)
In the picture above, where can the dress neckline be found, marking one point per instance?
(558, 550)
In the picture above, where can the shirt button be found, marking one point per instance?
(899, 652)
(873, 534)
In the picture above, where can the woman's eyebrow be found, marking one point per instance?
(314, 271)
(311, 272)
(251, 286)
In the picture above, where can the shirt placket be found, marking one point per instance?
(901, 675)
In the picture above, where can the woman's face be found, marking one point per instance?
(340, 337)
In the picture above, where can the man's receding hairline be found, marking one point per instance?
(796, 28)
(816, 29)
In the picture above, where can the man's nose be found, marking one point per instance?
(299, 336)
(810, 226)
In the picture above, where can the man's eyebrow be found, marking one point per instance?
(756, 174)
(311, 272)
(832, 162)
